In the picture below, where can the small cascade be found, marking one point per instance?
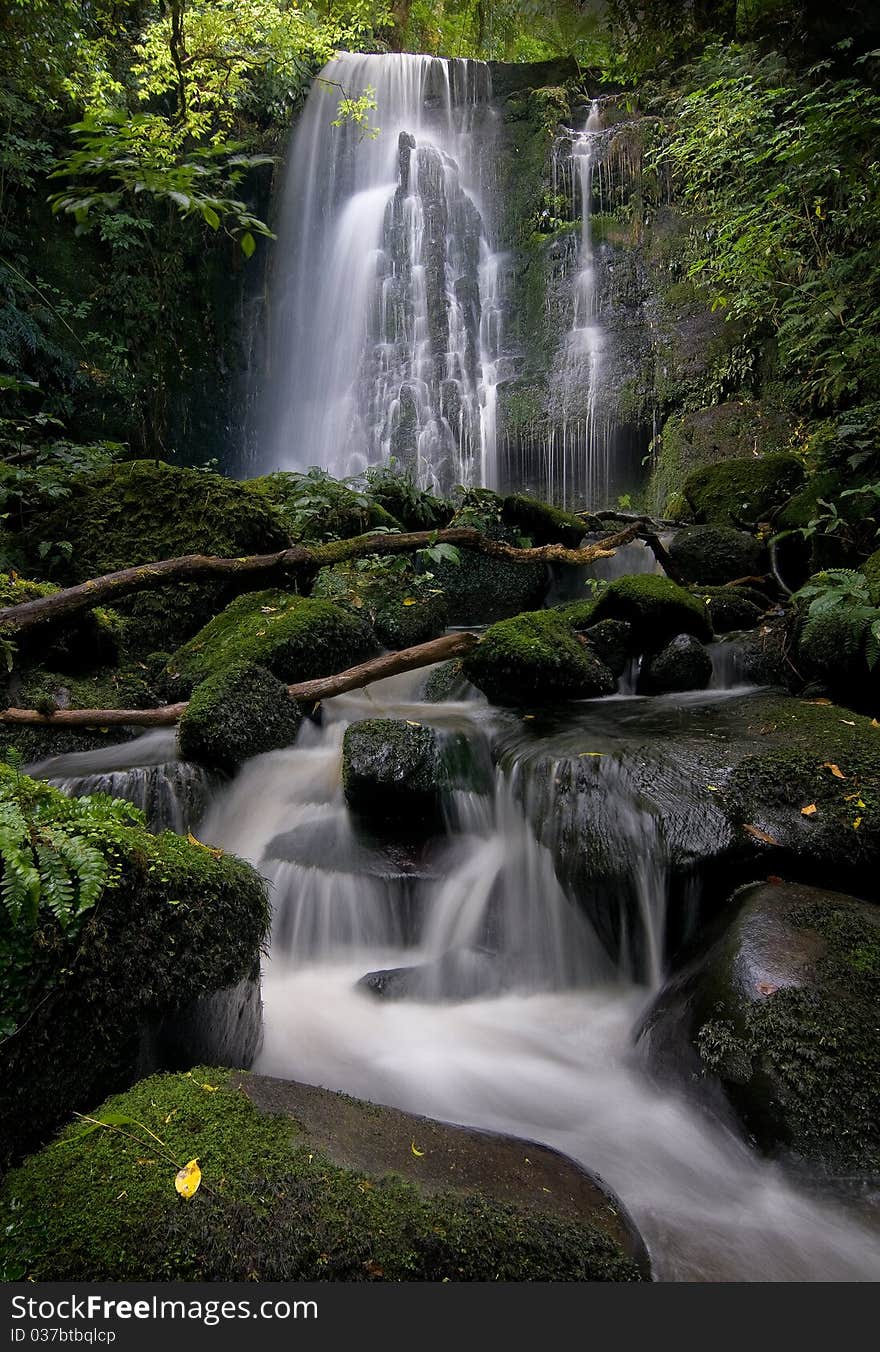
(386, 323)
(173, 794)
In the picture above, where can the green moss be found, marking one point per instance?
(543, 524)
(480, 589)
(656, 607)
(871, 570)
(742, 492)
(390, 770)
(145, 510)
(272, 1206)
(446, 682)
(240, 712)
(579, 614)
(831, 647)
(732, 608)
(398, 495)
(535, 659)
(178, 922)
(295, 638)
(716, 554)
(93, 637)
(708, 436)
(46, 690)
(403, 607)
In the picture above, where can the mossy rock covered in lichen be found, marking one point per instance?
(240, 712)
(781, 1013)
(402, 609)
(541, 523)
(320, 508)
(296, 638)
(709, 555)
(535, 659)
(732, 608)
(742, 492)
(174, 922)
(657, 608)
(390, 771)
(144, 510)
(43, 689)
(300, 1184)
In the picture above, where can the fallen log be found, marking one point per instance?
(305, 692)
(300, 561)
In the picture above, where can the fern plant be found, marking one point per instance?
(843, 593)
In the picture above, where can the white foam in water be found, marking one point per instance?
(551, 1057)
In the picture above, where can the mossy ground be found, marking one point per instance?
(403, 608)
(271, 1207)
(295, 638)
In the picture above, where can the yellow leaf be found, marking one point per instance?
(188, 1178)
(809, 811)
(415, 1149)
(857, 823)
(835, 769)
(410, 601)
(850, 722)
(410, 724)
(874, 723)
(759, 834)
(711, 788)
(218, 854)
(211, 1088)
(581, 754)
(268, 610)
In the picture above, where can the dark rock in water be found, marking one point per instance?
(656, 607)
(716, 554)
(224, 1028)
(732, 608)
(447, 682)
(332, 846)
(781, 1015)
(390, 771)
(480, 589)
(683, 664)
(536, 659)
(764, 656)
(302, 1184)
(240, 712)
(612, 642)
(463, 974)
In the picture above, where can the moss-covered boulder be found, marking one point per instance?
(301, 1184)
(732, 608)
(240, 712)
(315, 507)
(742, 492)
(657, 608)
(711, 555)
(832, 648)
(403, 608)
(781, 1014)
(91, 639)
(541, 523)
(536, 659)
(446, 681)
(296, 638)
(612, 642)
(684, 664)
(480, 589)
(390, 771)
(580, 614)
(122, 930)
(145, 510)
(37, 687)
(399, 495)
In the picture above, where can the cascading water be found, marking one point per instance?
(385, 325)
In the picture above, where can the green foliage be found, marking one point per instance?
(845, 595)
(317, 507)
(395, 488)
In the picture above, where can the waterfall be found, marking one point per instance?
(385, 326)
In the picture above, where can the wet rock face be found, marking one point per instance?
(461, 974)
(778, 1018)
(390, 771)
(240, 712)
(684, 664)
(711, 555)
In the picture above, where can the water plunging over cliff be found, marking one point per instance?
(385, 310)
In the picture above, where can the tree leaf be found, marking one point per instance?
(248, 244)
(187, 1179)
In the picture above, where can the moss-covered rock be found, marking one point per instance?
(316, 507)
(656, 607)
(683, 664)
(831, 648)
(145, 510)
(399, 495)
(403, 608)
(711, 555)
(536, 659)
(541, 523)
(36, 687)
(707, 436)
(612, 642)
(732, 608)
(92, 638)
(782, 1013)
(175, 922)
(296, 638)
(447, 681)
(871, 570)
(742, 492)
(390, 771)
(240, 712)
(579, 614)
(300, 1184)
(480, 589)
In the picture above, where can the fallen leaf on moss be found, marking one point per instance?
(187, 1179)
(759, 834)
(809, 811)
(835, 769)
(415, 1149)
(857, 823)
(216, 853)
(410, 601)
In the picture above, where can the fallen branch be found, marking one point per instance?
(305, 692)
(300, 561)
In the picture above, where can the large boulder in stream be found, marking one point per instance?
(402, 609)
(711, 555)
(239, 712)
(781, 1014)
(684, 664)
(296, 638)
(301, 1184)
(129, 935)
(744, 491)
(390, 771)
(733, 608)
(536, 659)
(656, 607)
